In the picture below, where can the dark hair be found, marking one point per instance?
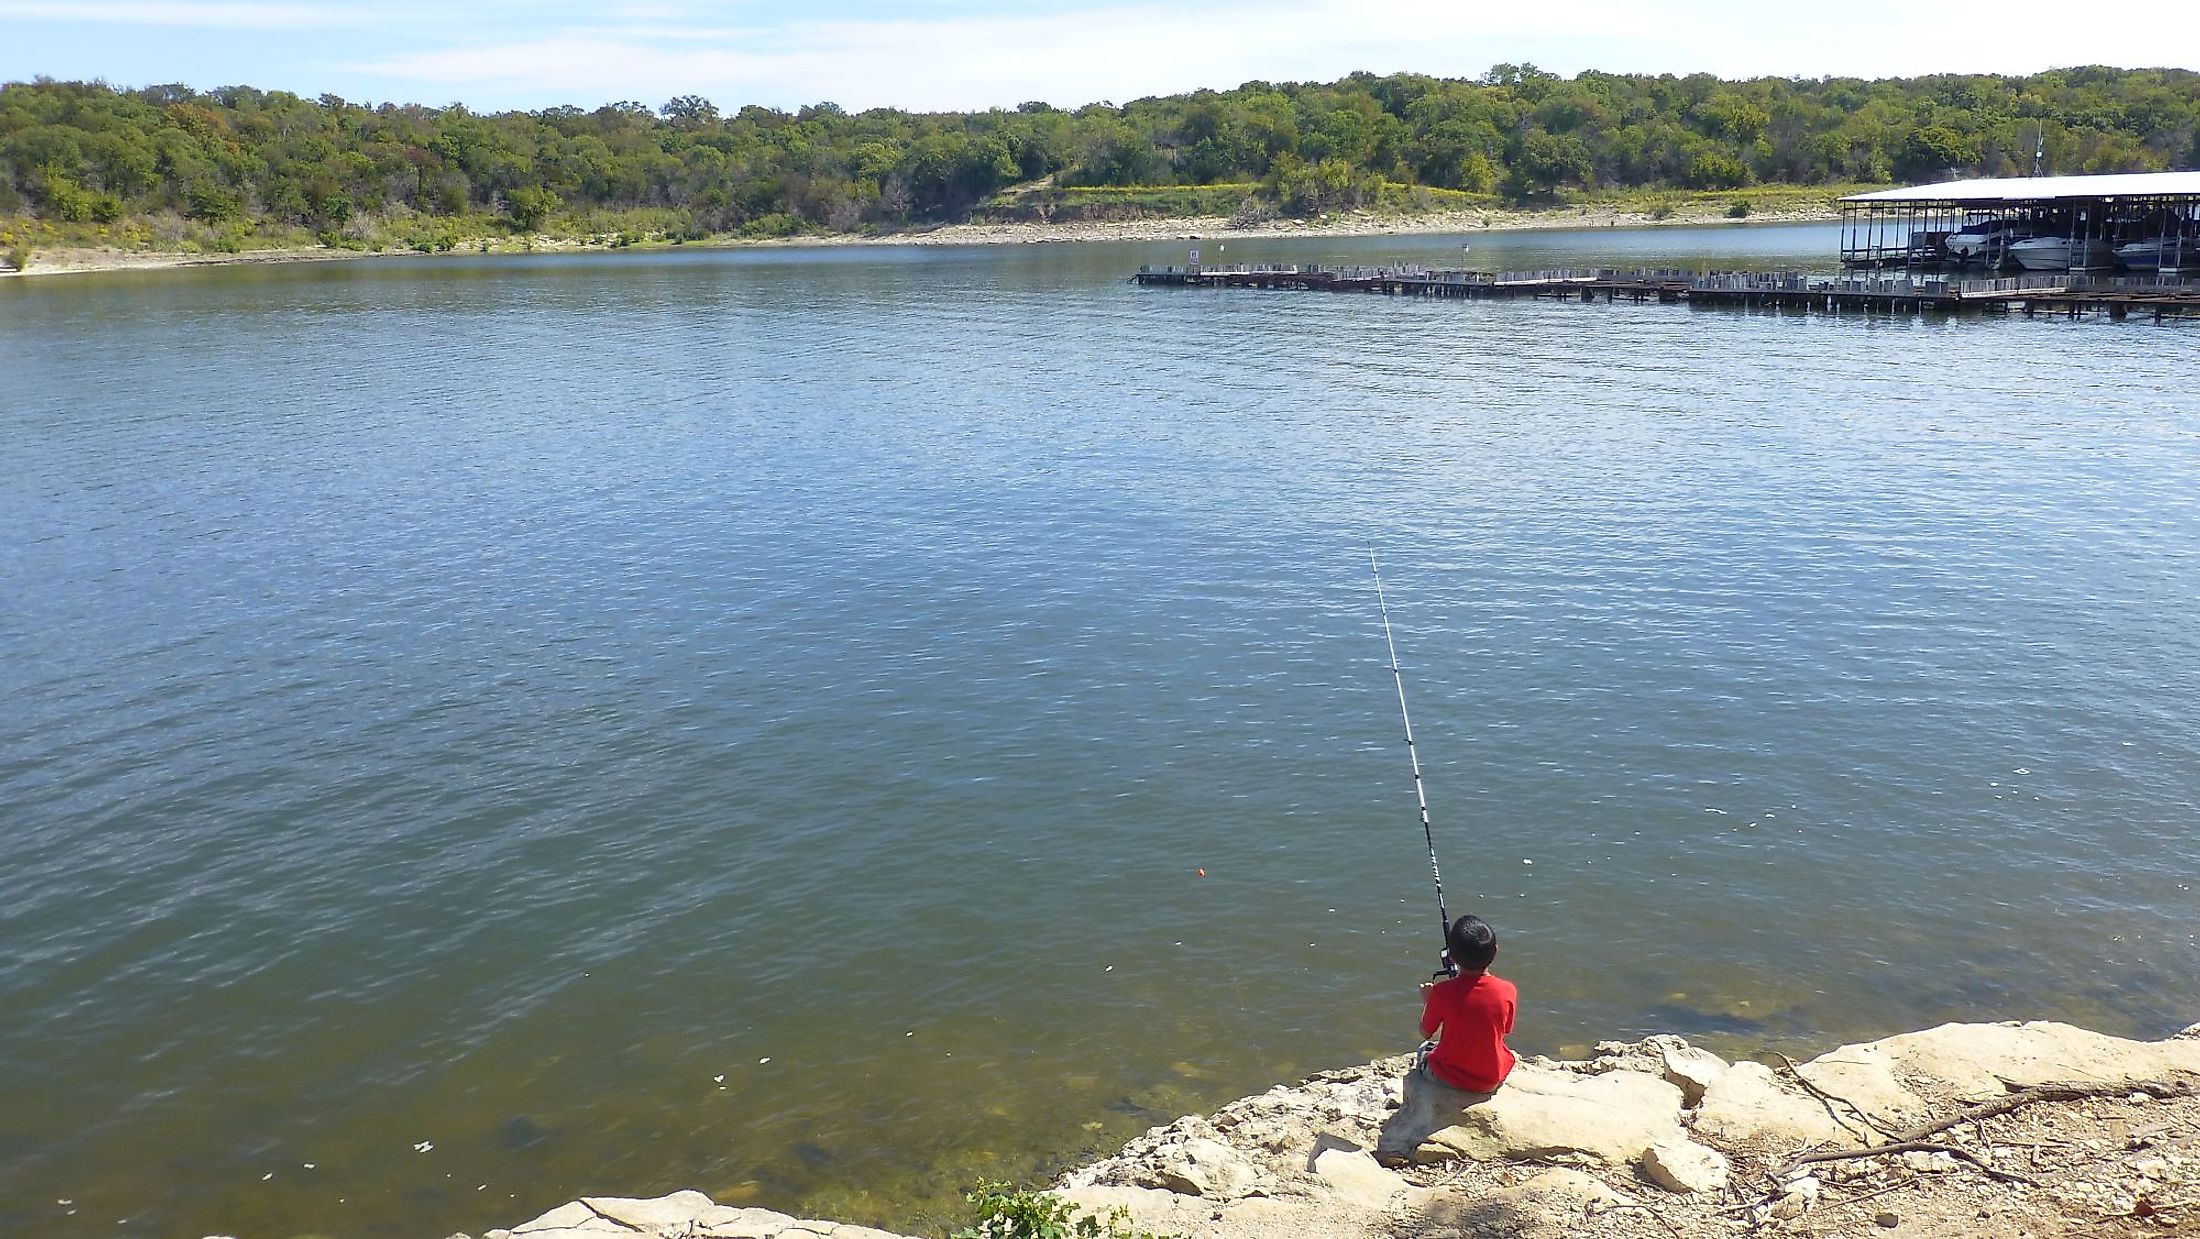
(1473, 943)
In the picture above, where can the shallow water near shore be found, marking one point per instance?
(481, 731)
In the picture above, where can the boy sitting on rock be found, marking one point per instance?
(1468, 1017)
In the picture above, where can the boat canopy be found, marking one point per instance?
(2017, 190)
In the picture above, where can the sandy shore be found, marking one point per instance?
(83, 260)
(1356, 224)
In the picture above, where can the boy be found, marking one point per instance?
(1469, 1015)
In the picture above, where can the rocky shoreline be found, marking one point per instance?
(79, 260)
(1974, 1130)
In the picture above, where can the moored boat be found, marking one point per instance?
(2169, 252)
(1987, 241)
(2061, 253)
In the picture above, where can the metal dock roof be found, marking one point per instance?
(2024, 189)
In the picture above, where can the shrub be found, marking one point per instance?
(1006, 1213)
(777, 224)
(1740, 209)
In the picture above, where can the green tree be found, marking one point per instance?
(1547, 161)
(528, 206)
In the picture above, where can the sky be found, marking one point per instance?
(971, 54)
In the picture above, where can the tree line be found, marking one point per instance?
(244, 158)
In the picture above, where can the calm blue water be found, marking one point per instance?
(478, 703)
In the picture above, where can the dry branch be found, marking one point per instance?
(1913, 1140)
(1827, 1099)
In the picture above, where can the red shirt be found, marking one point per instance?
(1475, 1010)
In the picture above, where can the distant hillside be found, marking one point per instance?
(227, 165)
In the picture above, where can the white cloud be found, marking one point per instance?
(231, 16)
(976, 61)
(957, 54)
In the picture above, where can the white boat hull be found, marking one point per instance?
(2061, 254)
(2156, 255)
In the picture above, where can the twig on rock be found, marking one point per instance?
(2035, 1094)
(1906, 1146)
(1914, 1139)
(1875, 1194)
(1827, 1099)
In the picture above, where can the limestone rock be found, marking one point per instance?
(660, 1213)
(2191, 1032)
(681, 1215)
(1209, 1168)
(729, 1222)
(1148, 1206)
(1608, 1119)
(1978, 1058)
(1865, 1076)
(1552, 1205)
(1160, 1212)
(1748, 1105)
(1355, 1177)
(570, 1215)
(1685, 1166)
(1691, 1071)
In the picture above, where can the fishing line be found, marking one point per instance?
(1443, 916)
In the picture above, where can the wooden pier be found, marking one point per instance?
(2164, 298)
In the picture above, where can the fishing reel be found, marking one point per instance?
(1448, 970)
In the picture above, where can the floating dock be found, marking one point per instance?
(2161, 298)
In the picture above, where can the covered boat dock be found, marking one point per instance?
(2143, 223)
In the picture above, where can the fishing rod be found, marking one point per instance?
(1443, 916)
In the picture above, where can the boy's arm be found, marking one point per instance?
(1430, 1020)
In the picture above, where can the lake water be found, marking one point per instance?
(479, 731)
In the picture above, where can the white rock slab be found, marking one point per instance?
(1747, 1105)
(1977, 1058)
(1209, 1168)
(1608, 1119)
(568, 1216)
(1354, 1177)
(1865, 1076)
(659, 1213)
(1691, 1071)
(1685, 1166)
(730, 1222)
